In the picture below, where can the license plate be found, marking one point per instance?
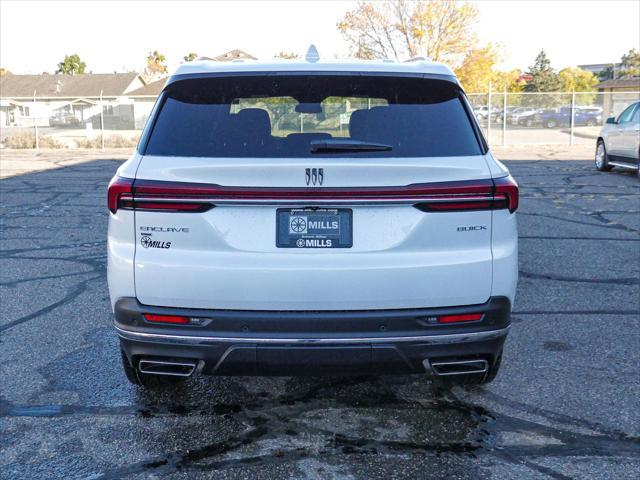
(314, 228)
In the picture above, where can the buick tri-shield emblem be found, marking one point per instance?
(314, 176)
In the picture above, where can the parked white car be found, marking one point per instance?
(619, 142)
(253, 234)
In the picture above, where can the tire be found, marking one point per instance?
(591, 122)
(601, 158)
(470, 380)
(551, 124)
(148, 381)
(529, 122)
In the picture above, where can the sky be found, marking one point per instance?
(116, 35)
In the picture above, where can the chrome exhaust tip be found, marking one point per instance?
(459, 367)
(166, 367)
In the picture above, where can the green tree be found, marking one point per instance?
(71, 65)
(190, 57)
(543, 77)
(630, 64)
(156, 64)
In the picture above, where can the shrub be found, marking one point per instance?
(112, 141)
(28, 140)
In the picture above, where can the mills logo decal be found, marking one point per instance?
(147, 242)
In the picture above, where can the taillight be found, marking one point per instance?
(120, 195)
(496, 194)
(175, 319)
(118, 187)
(506, 191)
(469, 317)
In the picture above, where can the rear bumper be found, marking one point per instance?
(297, 343)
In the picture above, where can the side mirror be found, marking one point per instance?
(611, 120)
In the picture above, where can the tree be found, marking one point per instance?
(630, 64)
(578, 80)
(476, 70)
(189, 57)
(71, 65)
(156, 64)
(441, 30)
(543, 77)
(510, 81)
(4, 71)
(286, 55)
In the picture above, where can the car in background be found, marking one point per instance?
(62, 118)
(525, 116)
(481, 112)
(561, 117)
(619, 142)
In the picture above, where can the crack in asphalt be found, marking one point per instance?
(561, 278)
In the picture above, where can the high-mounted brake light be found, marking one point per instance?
(175, 319)
(469, 317)
(117, 187)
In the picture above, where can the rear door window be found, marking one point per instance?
(283, 116)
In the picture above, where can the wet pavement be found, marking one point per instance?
(565, 405)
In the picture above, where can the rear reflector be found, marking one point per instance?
(166, 318)
(470, 317)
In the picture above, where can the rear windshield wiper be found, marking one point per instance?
(338, 145)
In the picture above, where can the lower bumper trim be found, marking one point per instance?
(210, 340)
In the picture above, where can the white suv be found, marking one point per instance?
(311, 217)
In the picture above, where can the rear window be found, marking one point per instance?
(285, 116)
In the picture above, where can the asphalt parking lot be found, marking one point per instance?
(565, 405)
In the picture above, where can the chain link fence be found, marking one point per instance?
(563, 118)
(87, 122)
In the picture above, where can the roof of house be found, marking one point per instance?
(80, 85)
(152, 88)
(234, 54)
(620, 82)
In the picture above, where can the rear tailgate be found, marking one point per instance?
(227, 257)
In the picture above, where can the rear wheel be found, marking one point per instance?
(601, 160)
(145, 380)
(469, 380)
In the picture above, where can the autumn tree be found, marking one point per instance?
(510, 81)
(156, 64)
(4, 71)
(476, 70)
(71, 65)
(442, 30)
(190, 57)
(577, 80)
